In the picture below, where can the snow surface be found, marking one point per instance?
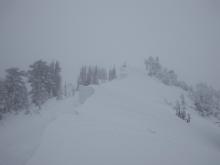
(125, 122)
(21, 134)
(84, 93)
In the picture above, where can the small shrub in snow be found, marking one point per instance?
(188, 118)
(180, 108)
(124, 65)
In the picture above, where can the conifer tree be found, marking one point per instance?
(39, 81)
(57, 80)
(16, 91)
(3, 96)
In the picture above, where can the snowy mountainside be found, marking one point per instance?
(21, 134)
(127, 121)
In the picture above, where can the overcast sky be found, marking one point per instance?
(185, 34)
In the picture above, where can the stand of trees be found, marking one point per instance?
(13, 91)
(112, 74)
(94, 75)
(45, 82)
(206, 99)
(168, 77)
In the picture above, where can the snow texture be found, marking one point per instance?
(85, 92)
(125, 122)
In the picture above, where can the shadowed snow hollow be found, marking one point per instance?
(127, 122)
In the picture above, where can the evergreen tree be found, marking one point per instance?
(40, 82)
(3, 96)
(54, 80)
(183, 102)
(16, 91)
(82, 80)
(89, 76)
(110, 77)
(57, 80)
(112, 74)
(168, 77)
(102, 74)
(204, 99)
(51, 78)
(65, 90)
(153, 66)
(95, 76)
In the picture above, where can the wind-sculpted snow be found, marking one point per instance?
(126, 122)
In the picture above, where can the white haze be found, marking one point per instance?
(185, 34)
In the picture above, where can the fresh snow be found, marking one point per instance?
(21, 134)
(124, 122)
(84, 93)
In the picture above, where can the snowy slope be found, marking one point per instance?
(21, 134)
(127, 122)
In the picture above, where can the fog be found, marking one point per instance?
(185, 34)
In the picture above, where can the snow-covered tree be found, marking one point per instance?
(57, 81)
(95, 79)
(82, 78)
(183, 101)
(91, 75)
(204, 99)
(112, 74)
(45, 81)
(177, 107)
(16, 91)
(39, 79)
(168, 77)
(65, 90)
(3, 96)
(180, 107)
(51, 80)
(102, 74)
(188, 118)
(183, 85)
(153, 66)
(69, 89)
